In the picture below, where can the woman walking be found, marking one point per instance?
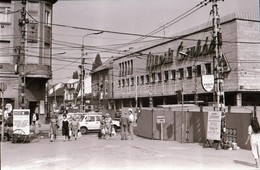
(75, 127)
(54, 125)
(254, 137)
(65, 128)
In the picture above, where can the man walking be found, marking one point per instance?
(124, 123)
(131, 123)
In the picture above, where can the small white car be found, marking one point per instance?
(92, 123)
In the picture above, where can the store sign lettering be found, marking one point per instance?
(182, 53)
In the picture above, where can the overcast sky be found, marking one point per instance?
(128, 16)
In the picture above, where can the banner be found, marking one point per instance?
(21, 120)
(214, 125)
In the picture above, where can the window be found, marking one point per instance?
(181, 73)
(173, 76)
(159, 75)
(5, 52)
(123, 83)
(120, 70)
(208, 68)
(142, 79)
(147, 79)
(198, 70)
(153, 78)
(189, 72)
(138, 80)
(47, 18)
(119, 83)
(127, 82)
(5, 16)
(166, 75)
(132, 81)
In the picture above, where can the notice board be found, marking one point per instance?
(214, 125)
(21, 120)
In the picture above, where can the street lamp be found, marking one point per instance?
(82, 70)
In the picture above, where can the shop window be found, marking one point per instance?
(166, 76)
(208, 68)
(189, 72)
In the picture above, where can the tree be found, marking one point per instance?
(75, 75)
(97, 62)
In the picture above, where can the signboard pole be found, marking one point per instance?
(161, 131)
(161, 121)
(3, 122)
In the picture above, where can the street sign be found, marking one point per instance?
(160, 119)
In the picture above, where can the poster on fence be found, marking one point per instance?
(214, 125)
(21, 120)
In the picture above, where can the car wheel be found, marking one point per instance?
(84, 130)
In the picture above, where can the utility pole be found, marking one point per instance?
(82, 78)
(218, 95)
(22, 24)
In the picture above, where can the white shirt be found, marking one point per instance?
(131, 117)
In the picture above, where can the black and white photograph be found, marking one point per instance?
(129, 84)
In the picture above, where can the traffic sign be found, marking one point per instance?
(160, 119)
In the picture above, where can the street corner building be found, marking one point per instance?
(160, 72)
(26, 48)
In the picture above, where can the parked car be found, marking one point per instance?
(91, 123)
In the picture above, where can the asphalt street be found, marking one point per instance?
(91, 153)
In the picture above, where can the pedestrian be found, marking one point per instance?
(124, 124)
(131, 123)
(254, 137)
(37, 129)
(74, 127)
(34, 118)
(102, 130)
(54, 126)
(65, 128)
(108, 126)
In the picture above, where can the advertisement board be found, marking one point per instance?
(214, 125)
(21, 120)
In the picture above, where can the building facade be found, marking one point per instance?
(37, 51)
(159, 74)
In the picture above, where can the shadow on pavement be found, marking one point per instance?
(244, 163)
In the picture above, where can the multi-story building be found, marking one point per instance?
(155, 75)
(36, 48)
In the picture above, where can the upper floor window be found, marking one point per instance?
(153, 78)
(47, 18)
(159, 75)
(181, 73)
(166, 75)
(5, 16)
(147, 79)
(198, 70)
(208, 68)
(173, 75)
(189, 72)
(142, 79)
(132, 81)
